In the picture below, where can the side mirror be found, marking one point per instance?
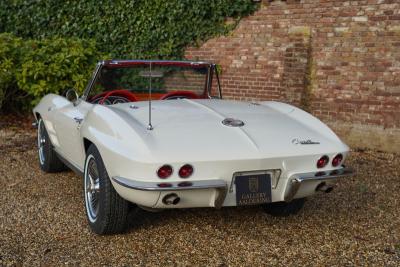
(72, 96)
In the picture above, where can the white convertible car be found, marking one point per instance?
(158, 135)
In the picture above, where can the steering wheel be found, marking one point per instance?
(179, 95)
(124, 93)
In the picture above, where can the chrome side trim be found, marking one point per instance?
(297, 179)
(219, 185)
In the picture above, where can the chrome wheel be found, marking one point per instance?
(92, 188)
(41, 141)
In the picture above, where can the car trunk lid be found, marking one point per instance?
(193, 130)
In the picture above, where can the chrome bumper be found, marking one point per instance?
(297, 179)
(218, 184)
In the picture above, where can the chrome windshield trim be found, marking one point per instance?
(296, 180)
(153, 186)
(93, 79)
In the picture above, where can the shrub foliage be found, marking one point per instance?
(30, 69)
(125, 28)
(12, 52)
(56, 54)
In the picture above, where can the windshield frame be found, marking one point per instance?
(128, 63)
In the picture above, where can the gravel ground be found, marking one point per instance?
(42, 222)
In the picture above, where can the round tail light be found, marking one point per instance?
(337, 160)
(185, 171)
(164, 171)
(322, 162)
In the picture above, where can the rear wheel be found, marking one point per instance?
(48, 159)
(106, 211)
(283, 209)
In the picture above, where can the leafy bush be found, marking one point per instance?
(55, 65)
(126, 28)
(45, 63)
(32, 68)
(10, 54)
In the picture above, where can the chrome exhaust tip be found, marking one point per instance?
(171, 199)
(323, 187)
(329, 189)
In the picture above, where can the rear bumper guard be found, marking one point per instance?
(217, 184)
(297, 179)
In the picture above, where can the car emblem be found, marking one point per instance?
(297, 141)
(232, 122)
(253, 184)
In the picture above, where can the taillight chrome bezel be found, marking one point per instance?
(165, 166)
(325, 160)
(336, 164)
(186, 176)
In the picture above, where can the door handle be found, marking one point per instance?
(78, 120)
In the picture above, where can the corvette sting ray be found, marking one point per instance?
(158, 134)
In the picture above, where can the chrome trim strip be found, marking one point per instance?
(153, 186)
(297, 179)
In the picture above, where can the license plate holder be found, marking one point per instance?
(253, 189)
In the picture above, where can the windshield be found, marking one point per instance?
(119, 84)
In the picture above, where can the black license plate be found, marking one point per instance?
(253, 189)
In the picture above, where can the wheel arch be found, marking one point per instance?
(86, 144)
(37, 115)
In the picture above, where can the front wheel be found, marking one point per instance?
(283, 209)
(106, 211)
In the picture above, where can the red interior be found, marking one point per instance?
(124, 93)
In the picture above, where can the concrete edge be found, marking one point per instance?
(359, 136)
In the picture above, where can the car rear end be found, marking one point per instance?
(234, 182)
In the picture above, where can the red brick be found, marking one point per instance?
(355, 64)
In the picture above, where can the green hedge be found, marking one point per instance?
(29, 69)
(55, 53)
(9, 58)
(125, 28)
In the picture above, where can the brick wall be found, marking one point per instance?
(340, 60)
(186, 80)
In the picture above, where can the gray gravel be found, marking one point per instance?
(42, 222)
